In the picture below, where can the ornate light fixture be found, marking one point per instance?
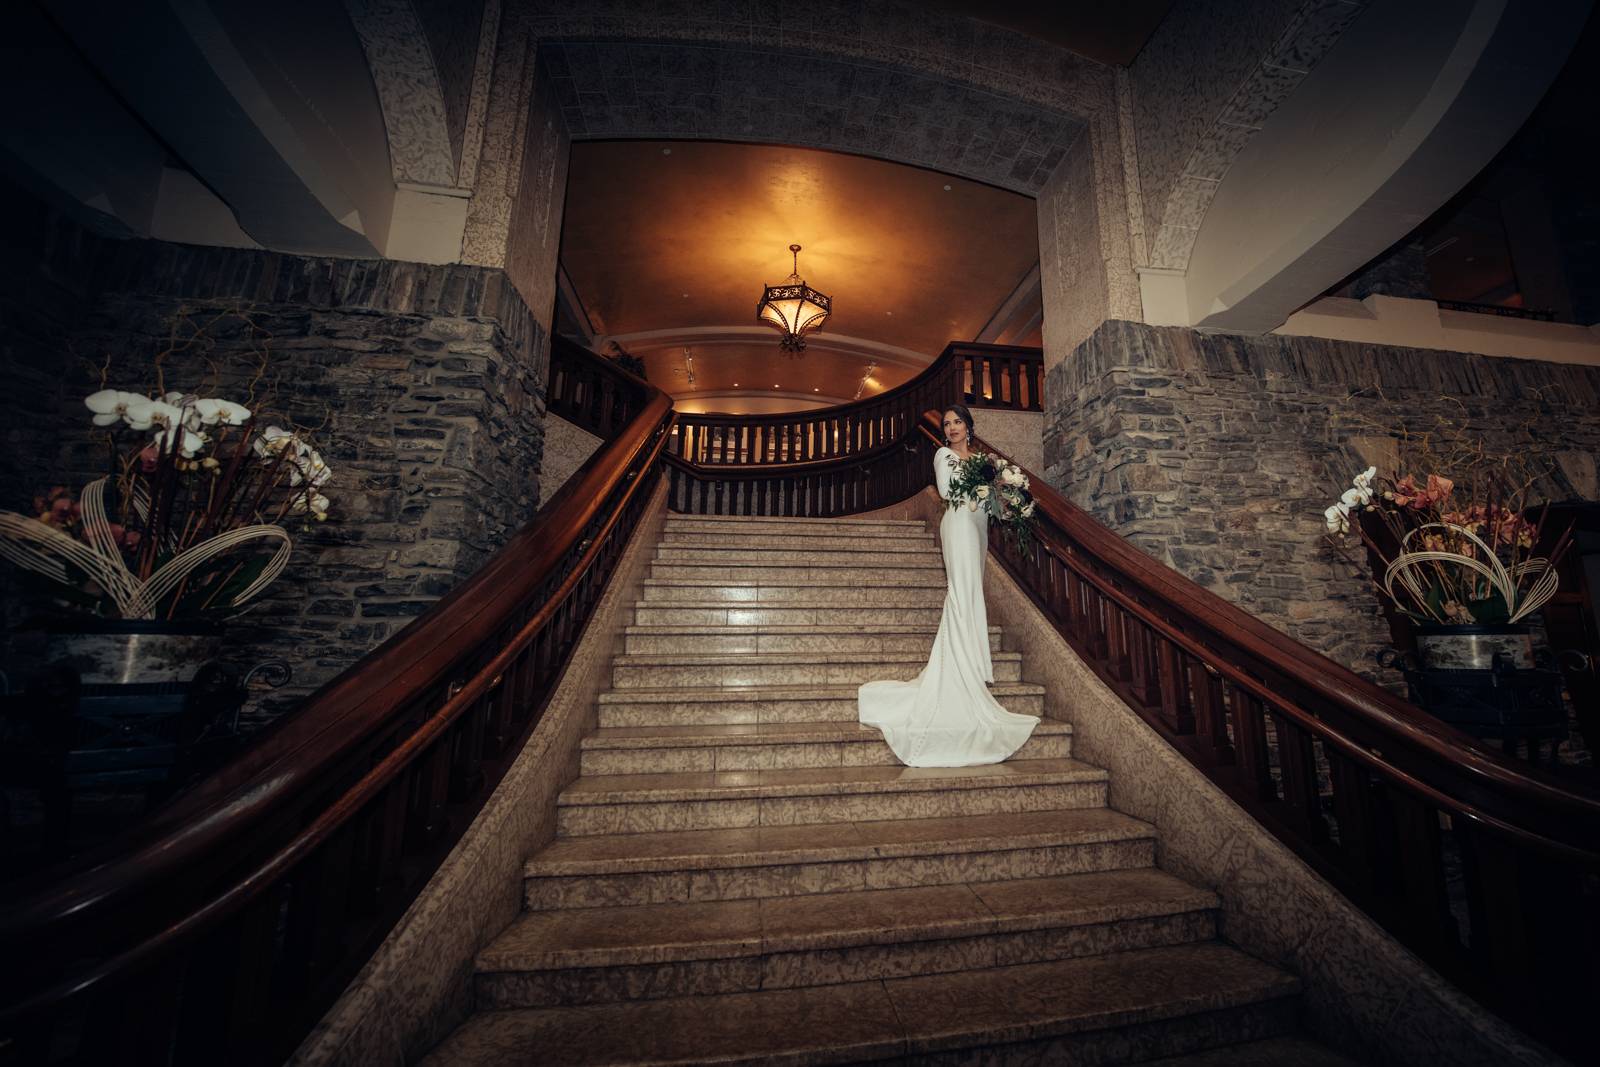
(794, 309)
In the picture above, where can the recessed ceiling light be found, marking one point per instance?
(736, 385)
(686, 296)
(816, 390)
(668, 152)
(774, 385)
(889, 313)
(947, 188)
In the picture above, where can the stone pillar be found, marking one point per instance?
(422, 384)
(1217, 453)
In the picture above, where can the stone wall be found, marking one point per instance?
(423, 384)
(1217, 453)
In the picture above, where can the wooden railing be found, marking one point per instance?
(861, 482)
(231, 923)
(991, 376)
(590, 391)
(823, 434)
(1486, 868)
(1001, 376)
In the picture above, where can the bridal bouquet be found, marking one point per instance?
(1000, 488)
(189, 523)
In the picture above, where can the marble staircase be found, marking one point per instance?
(742, 873)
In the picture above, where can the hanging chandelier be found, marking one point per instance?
(794, 309)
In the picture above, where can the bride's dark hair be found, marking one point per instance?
(963, 414)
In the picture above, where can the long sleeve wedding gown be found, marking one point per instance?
(946, 717)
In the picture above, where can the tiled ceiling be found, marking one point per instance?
(677, 239)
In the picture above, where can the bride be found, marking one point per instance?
(945, 717)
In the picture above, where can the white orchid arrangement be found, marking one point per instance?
(1000, 488)
(189, 522)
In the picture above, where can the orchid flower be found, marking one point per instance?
(212, 411)
(111, 406)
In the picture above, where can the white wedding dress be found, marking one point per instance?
(945, 717)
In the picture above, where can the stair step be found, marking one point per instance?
(724, 639)
(1097, 1009)
(795, 524)
(1273, 1052)
(886, 544)
(661, 950)
(901, 554)
(642, 803)
(625, 869)
(783, 668)
(796, 612)
(753, 746)
(691, 706)
(895, 592)
(891, 571)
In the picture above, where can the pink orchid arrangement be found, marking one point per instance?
(1446, 560)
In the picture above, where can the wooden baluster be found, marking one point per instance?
(1076, 615)
(512, 701)
(228, 988)
(1140, 675)
(1354, 812)
(1297, 760)
(1418, 870)
(1250, 741)
(1116, 648)
(1210, 711)
(1521, 910)
(719, 510)
(1014, 401)
(466, 758)
(431, 789)
(1176, 709)
(319, 895)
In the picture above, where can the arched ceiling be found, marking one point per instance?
(667, 246)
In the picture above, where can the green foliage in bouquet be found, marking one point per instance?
(1000, 488)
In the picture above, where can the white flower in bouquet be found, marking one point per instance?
(188, 445)
(213, 411)
(1027, 510)
(275, 439)
(318, 505)
(1013, 476)
(1338, 519)
(983, 492)
(111, 406)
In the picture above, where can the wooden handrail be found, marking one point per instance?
(289, 864)
(1407, 797)
(832, 433)
(862, 481)
(1006, 377)
(590, 391)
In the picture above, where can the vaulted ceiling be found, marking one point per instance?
(667, 246)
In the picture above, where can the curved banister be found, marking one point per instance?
(364, 773)
(822, 433)
(1261, 714)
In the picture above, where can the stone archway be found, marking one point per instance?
(950, 94)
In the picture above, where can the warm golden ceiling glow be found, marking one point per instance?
(684, 241)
